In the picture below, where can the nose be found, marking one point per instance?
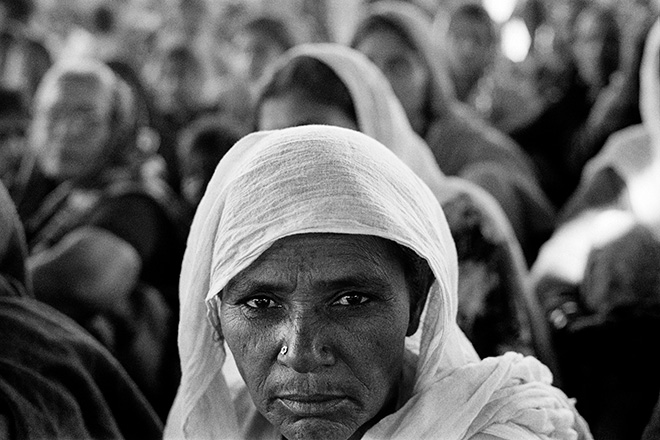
(306, 345)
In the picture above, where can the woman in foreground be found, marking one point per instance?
(318, 258)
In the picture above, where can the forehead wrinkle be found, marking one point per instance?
(282, 269)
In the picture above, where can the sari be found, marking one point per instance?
(322, 179)
(462, 142)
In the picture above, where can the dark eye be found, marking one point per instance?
(261, 303)
(353, 299)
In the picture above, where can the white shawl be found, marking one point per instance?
(381, 116)
(327, 179)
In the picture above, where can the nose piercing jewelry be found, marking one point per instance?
(284, 350)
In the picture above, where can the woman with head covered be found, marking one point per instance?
(326, 266)
(396, 36)
(336, 85)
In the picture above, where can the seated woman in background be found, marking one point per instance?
(259, 43)
(179, 77)
(621, 174)
(200, 146)
(483, 78)
(335, 85)
(598, 95)
(597, 276)
(334, 290)
(105, 235)
(396, 37)
(56, 381)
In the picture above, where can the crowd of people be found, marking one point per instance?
(187, 245)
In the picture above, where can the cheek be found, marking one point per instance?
(373, 349)
(250, 344)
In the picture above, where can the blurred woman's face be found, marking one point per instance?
(180, 85)
(401, 64)
(256, 53)
(295, 109)
(317, 327)
(72, 127)
(588, 48)
(470, 46)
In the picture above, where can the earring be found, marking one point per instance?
(284, 350)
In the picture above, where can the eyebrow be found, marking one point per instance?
(359, 281)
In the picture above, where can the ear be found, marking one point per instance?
(417, 302)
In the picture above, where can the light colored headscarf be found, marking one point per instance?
(321, 179)
(381, 116)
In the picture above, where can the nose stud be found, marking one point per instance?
(284, 350)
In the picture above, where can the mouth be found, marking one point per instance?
(306, 405)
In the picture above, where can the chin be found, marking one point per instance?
(316, 428)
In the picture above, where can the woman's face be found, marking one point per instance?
(401, 64)
(72, 127)
(256, 52)
(588, 48)
(180, 85)
(470, 46)
(317, 326)
(295, 109)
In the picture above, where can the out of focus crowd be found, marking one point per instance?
(115, 113)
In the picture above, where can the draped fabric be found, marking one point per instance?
(320, 179)
(381, 116)
(56, 381)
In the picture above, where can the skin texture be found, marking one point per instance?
(341, 306)
(72, 128)
(403, 67)
(294, 109)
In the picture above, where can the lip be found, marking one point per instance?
(312, 405)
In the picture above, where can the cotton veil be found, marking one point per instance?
(381, 116)
(327, 179)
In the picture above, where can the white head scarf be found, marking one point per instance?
(317, 179)
(381, 116)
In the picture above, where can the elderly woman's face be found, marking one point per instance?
(317, 326)
(72, 127)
